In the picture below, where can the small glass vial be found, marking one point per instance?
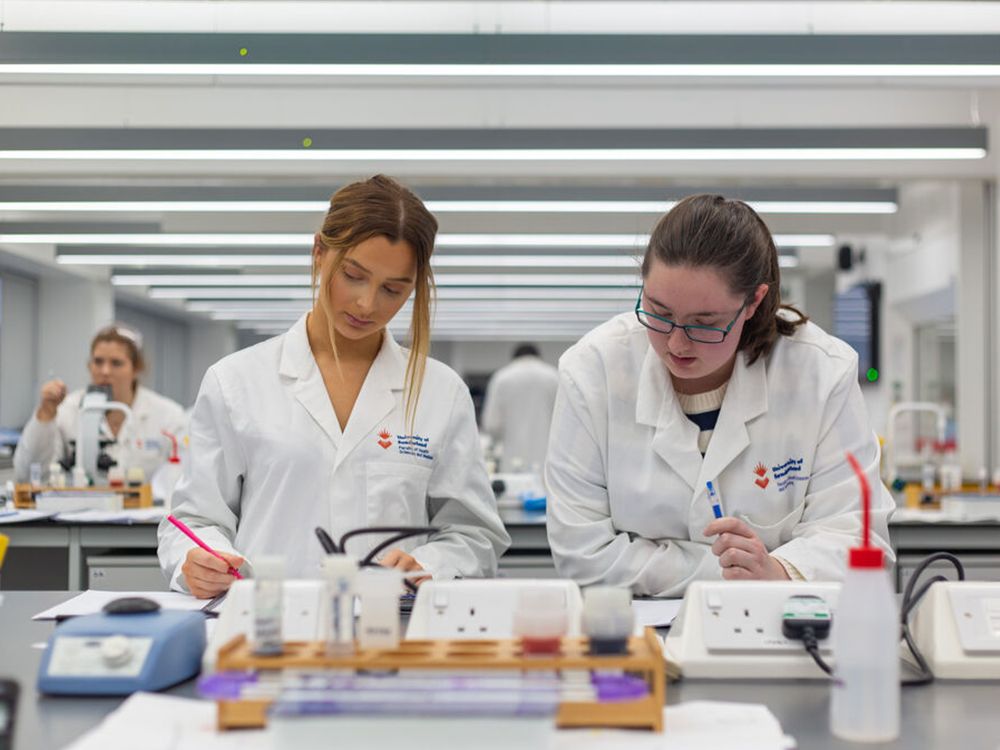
(136, 476)
(340, 573)
(36, 476)
(268, 597)
(57, 477)
(608, 619)
(541, 621)
(378, 625)
(116, 476)
(80, 477)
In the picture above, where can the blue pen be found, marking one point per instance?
(713, 498)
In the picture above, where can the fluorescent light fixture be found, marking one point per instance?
(221, 239)
(444, 294)
(606, 280)
(505, 155)
(440, 207)
(413, 70)
(302, 260)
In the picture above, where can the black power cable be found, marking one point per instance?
(910, 600)
(810, 632)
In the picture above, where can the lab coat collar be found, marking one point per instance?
(745, 400)
(298, 364)
(375, 401)
(676, 438)
(377, 398)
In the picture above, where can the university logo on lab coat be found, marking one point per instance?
(761, 471)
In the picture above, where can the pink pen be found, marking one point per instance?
(194, 538)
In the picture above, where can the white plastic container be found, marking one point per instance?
(864, 701)
(340, 572)
(378, 625)
(268, 597)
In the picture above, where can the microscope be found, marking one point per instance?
(88, 450)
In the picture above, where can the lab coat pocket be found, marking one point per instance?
(396, 493)
(775, 534)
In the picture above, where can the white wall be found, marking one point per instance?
(70, 311)
(165, 344)
(18, 348)
(209, 342)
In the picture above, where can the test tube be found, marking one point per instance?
(268, 598)
(608, 619)
(540, 620)
(340, 572)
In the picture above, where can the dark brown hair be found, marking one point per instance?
(127, 337)
(729, 237)
(382, 207)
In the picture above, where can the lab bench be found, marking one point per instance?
(78, 556)
(944, 714)
(118, 557)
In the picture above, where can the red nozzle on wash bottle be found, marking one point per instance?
(174, 458)
(865, 556)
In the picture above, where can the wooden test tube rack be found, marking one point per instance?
(644, 658)
(134, 497)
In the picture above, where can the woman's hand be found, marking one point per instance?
(396, 558)
(741, 553)
(52, 394)
(206, 575)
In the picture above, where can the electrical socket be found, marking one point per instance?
(732, 629)
(483, 609)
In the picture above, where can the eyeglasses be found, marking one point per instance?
(699, 334)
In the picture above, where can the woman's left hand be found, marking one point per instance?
(741, 553)
(396, 558)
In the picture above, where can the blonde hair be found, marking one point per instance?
(381, 207)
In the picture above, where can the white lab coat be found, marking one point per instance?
(517, 411)
(269, 463)
(140, 441)
(626, 482)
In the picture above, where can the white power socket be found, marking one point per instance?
(957, 628)
(732, 629)
(479, 609)
(304, 615)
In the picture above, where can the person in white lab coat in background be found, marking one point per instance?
(711, 378)
(116, 360)
(333, 424)
(517, 409)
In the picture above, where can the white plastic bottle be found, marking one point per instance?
(340, 572)
(864, 705)
(268, 597)
(378, 625)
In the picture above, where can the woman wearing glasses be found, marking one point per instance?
(710, 380)
(116, 363)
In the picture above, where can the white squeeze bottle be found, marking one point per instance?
(864, 704)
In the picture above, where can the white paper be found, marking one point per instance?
(20, 516)
(695, 725)
(655, 613)
(166, 722)
(128, 516)
(91, 602)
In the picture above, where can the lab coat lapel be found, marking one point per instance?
(745, 400)
(302, 376)
(377, 398)
(676, 437)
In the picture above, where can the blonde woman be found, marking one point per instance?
(333, 424)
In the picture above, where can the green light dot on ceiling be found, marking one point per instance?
(872, 374)
(244, 52)
(307, 142)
